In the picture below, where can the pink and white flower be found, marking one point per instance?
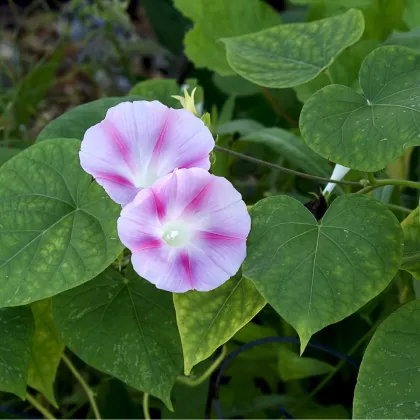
(139, 142)
(187, 231)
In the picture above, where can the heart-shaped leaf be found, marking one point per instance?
(367, 132)
(123, 326)
(290, 55)
(17, 329)
(74, 123)
(58, 229)
(388, 385)
(316, 274)
(47, 349)
(208, 320)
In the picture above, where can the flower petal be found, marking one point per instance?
(212, 211)
(139, 142)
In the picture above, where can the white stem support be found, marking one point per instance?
(338, 174)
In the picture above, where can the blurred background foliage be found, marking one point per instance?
(55, 55)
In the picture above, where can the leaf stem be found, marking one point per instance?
(277, 107)
(378, 183)
(90, 394)
(399, 208)
(146, 411)
(34, 402)
(197, 381)
(281, 168)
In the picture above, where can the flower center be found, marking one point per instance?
(177, 233)
(146, 180)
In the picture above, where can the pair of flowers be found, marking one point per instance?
(186, 228)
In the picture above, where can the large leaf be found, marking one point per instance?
(215, 19)
(290, 55)
(208, 320)
(74, 123)
(47, 349)
(316, 274)
(58, 229)
(17, 329)
(367, 132)
(123, 326)
(292, 148)
(388, 385)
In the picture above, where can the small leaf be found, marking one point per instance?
(290, 55)
(315, 274)
(17, 330)
(123, 326)
(367, 132)
(388, 384)
(215, 19)
(241, 126)
(47, 349)
(74, 123)
(293, 367)
(292, 148)
(58, 229)
(235, 85)
(208, 320)
(406, 39)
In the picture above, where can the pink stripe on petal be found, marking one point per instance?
(148, 244)
(120, 142)
(118, 179)
(160, 208)
(210, 236)
(186, 265)
(197, 163)
(194, 204)
(158, 147)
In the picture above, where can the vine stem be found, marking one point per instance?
(281, 168)
(85, 386)
(197, 381)
(146, 411)
(34, 402)
(378, 183)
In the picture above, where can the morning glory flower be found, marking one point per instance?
(338, 174)
(187, 231)
(139, 142)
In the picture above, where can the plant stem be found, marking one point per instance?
(146, 411)
(197, 381)
(34, 402)
(399, 208)
(277, 107)
(378, 183)
(281, 168)
(85, 386)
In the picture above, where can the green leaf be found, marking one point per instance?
(47, 349)
(162, 89)
(412, 13)
(290, 55)
(292, 366)
(388, 384)
(315, 274)
(17, 330)
(411, 229)
(123, 326)
(292, 148)
(215, 19)
(74, 123)
(406, 39)
(7, 153)
(367, 132)
(241, 126)
(235, 85)
(208, 320)
(58, 229)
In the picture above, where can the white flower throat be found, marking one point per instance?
(177, 233)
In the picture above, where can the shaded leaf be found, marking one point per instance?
(388, 384)
(411, 229)
(315, 274)
(17, 329)
(123, 326)
(58, 229)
